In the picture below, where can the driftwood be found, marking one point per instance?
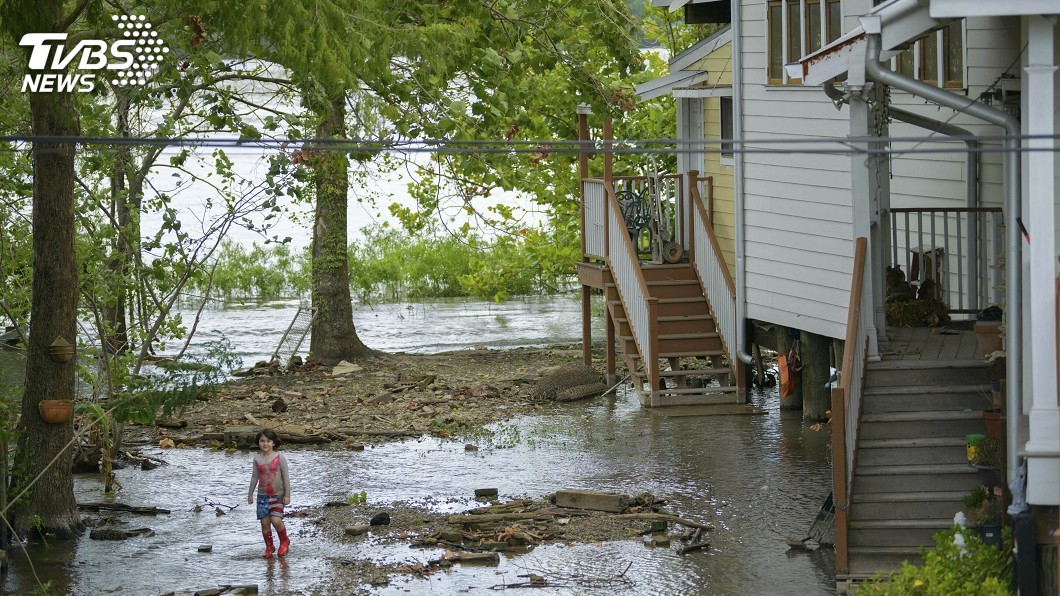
(485, 518)
(670, 518)
(121, 507)
(692, 547)
(353, 432)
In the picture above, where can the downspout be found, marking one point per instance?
(738, 207)
(1013, 262)
(972, 163)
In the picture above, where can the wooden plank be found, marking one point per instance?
(592, 500)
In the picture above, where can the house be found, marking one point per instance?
(867, 138)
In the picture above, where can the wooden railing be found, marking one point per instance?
(846, 407)
(956, 248)
(640, 307)
(709, 264)
(675, 211)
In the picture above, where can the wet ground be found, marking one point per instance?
(756, 478)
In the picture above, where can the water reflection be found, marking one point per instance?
(757, 478)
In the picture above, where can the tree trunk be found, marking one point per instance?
(116, 334)
(49, 505)
(334, 337)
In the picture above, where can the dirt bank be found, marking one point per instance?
(385, 398)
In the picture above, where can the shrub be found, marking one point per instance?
(961, 565)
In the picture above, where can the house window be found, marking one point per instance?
(797, 28)
(939, 52)
(726, 126)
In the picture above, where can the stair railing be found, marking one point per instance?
(846, 407)
(594, 214)
(641, 308)
(708, 262)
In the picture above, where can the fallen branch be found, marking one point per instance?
(121, 507)
(670, 518)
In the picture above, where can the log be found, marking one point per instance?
(479, 558)
(670, 518)
(692, 547)
(353, 432)
(121, 507)
(486, 518)
(357, 530)
(593, 500)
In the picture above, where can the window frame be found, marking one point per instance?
(726, 122)
(788, 29)
(942, 39)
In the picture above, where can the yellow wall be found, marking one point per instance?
(724, 218)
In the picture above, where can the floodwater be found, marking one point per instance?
(756, 478)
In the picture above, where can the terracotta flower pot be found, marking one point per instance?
(995, 423)
(989, 335)
(56, 411)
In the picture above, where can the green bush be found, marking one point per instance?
(950, 569)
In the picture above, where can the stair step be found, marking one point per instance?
(882, 452)
(700, 399)
(915, 478)
(896, 532)
(695, 372)
(912, 399)
(927, 424)
(697, 390)
(866, 561)
(907, 505)
(925, 372)
(925, 390)
(684, 354)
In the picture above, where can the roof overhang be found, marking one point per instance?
(682, 74)
(697, 92)
(898, 22)
(664, 85)
(955, 9)
(673, 5)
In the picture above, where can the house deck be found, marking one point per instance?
(929, 343)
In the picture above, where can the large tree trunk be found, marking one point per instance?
(49, 504)
(334, 337)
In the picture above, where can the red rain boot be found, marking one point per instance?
(268, 544)
(285, 542)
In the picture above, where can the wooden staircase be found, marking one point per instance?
(686, 330)
(911, 472)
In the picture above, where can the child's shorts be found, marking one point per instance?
(270, 506)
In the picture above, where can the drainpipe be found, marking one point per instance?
(737, 133)
(1013, 262)
(972, 163)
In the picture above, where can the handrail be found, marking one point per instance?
(708, 263)
(640, 306)
(846, 408)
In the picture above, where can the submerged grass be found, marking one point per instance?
(389, 265)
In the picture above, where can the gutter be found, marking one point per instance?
(737, 133)
(972, 163)
(1013, 261)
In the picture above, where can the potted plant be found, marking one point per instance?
(988, 330)
(985, 509)
(989, 454)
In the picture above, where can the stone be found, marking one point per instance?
(205, 548)
(345, 368)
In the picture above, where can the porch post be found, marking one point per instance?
(866, 188)
(1043, 473)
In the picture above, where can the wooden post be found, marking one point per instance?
(760, 374)
(816, 396)
(609, 340)
(793, 401)
(583, 173)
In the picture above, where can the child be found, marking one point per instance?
(274, 490)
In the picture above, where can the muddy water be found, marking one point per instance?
(756, 477)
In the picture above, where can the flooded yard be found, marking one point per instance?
(756, 478)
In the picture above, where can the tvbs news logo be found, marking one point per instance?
(128, 62)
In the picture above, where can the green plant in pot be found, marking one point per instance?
(989, 457)
(985, 510)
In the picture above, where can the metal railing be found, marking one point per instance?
(594, 208)
(709, 264)
(846, 405)
(671, 211)
(957, 250)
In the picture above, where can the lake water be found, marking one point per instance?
(757, 478)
